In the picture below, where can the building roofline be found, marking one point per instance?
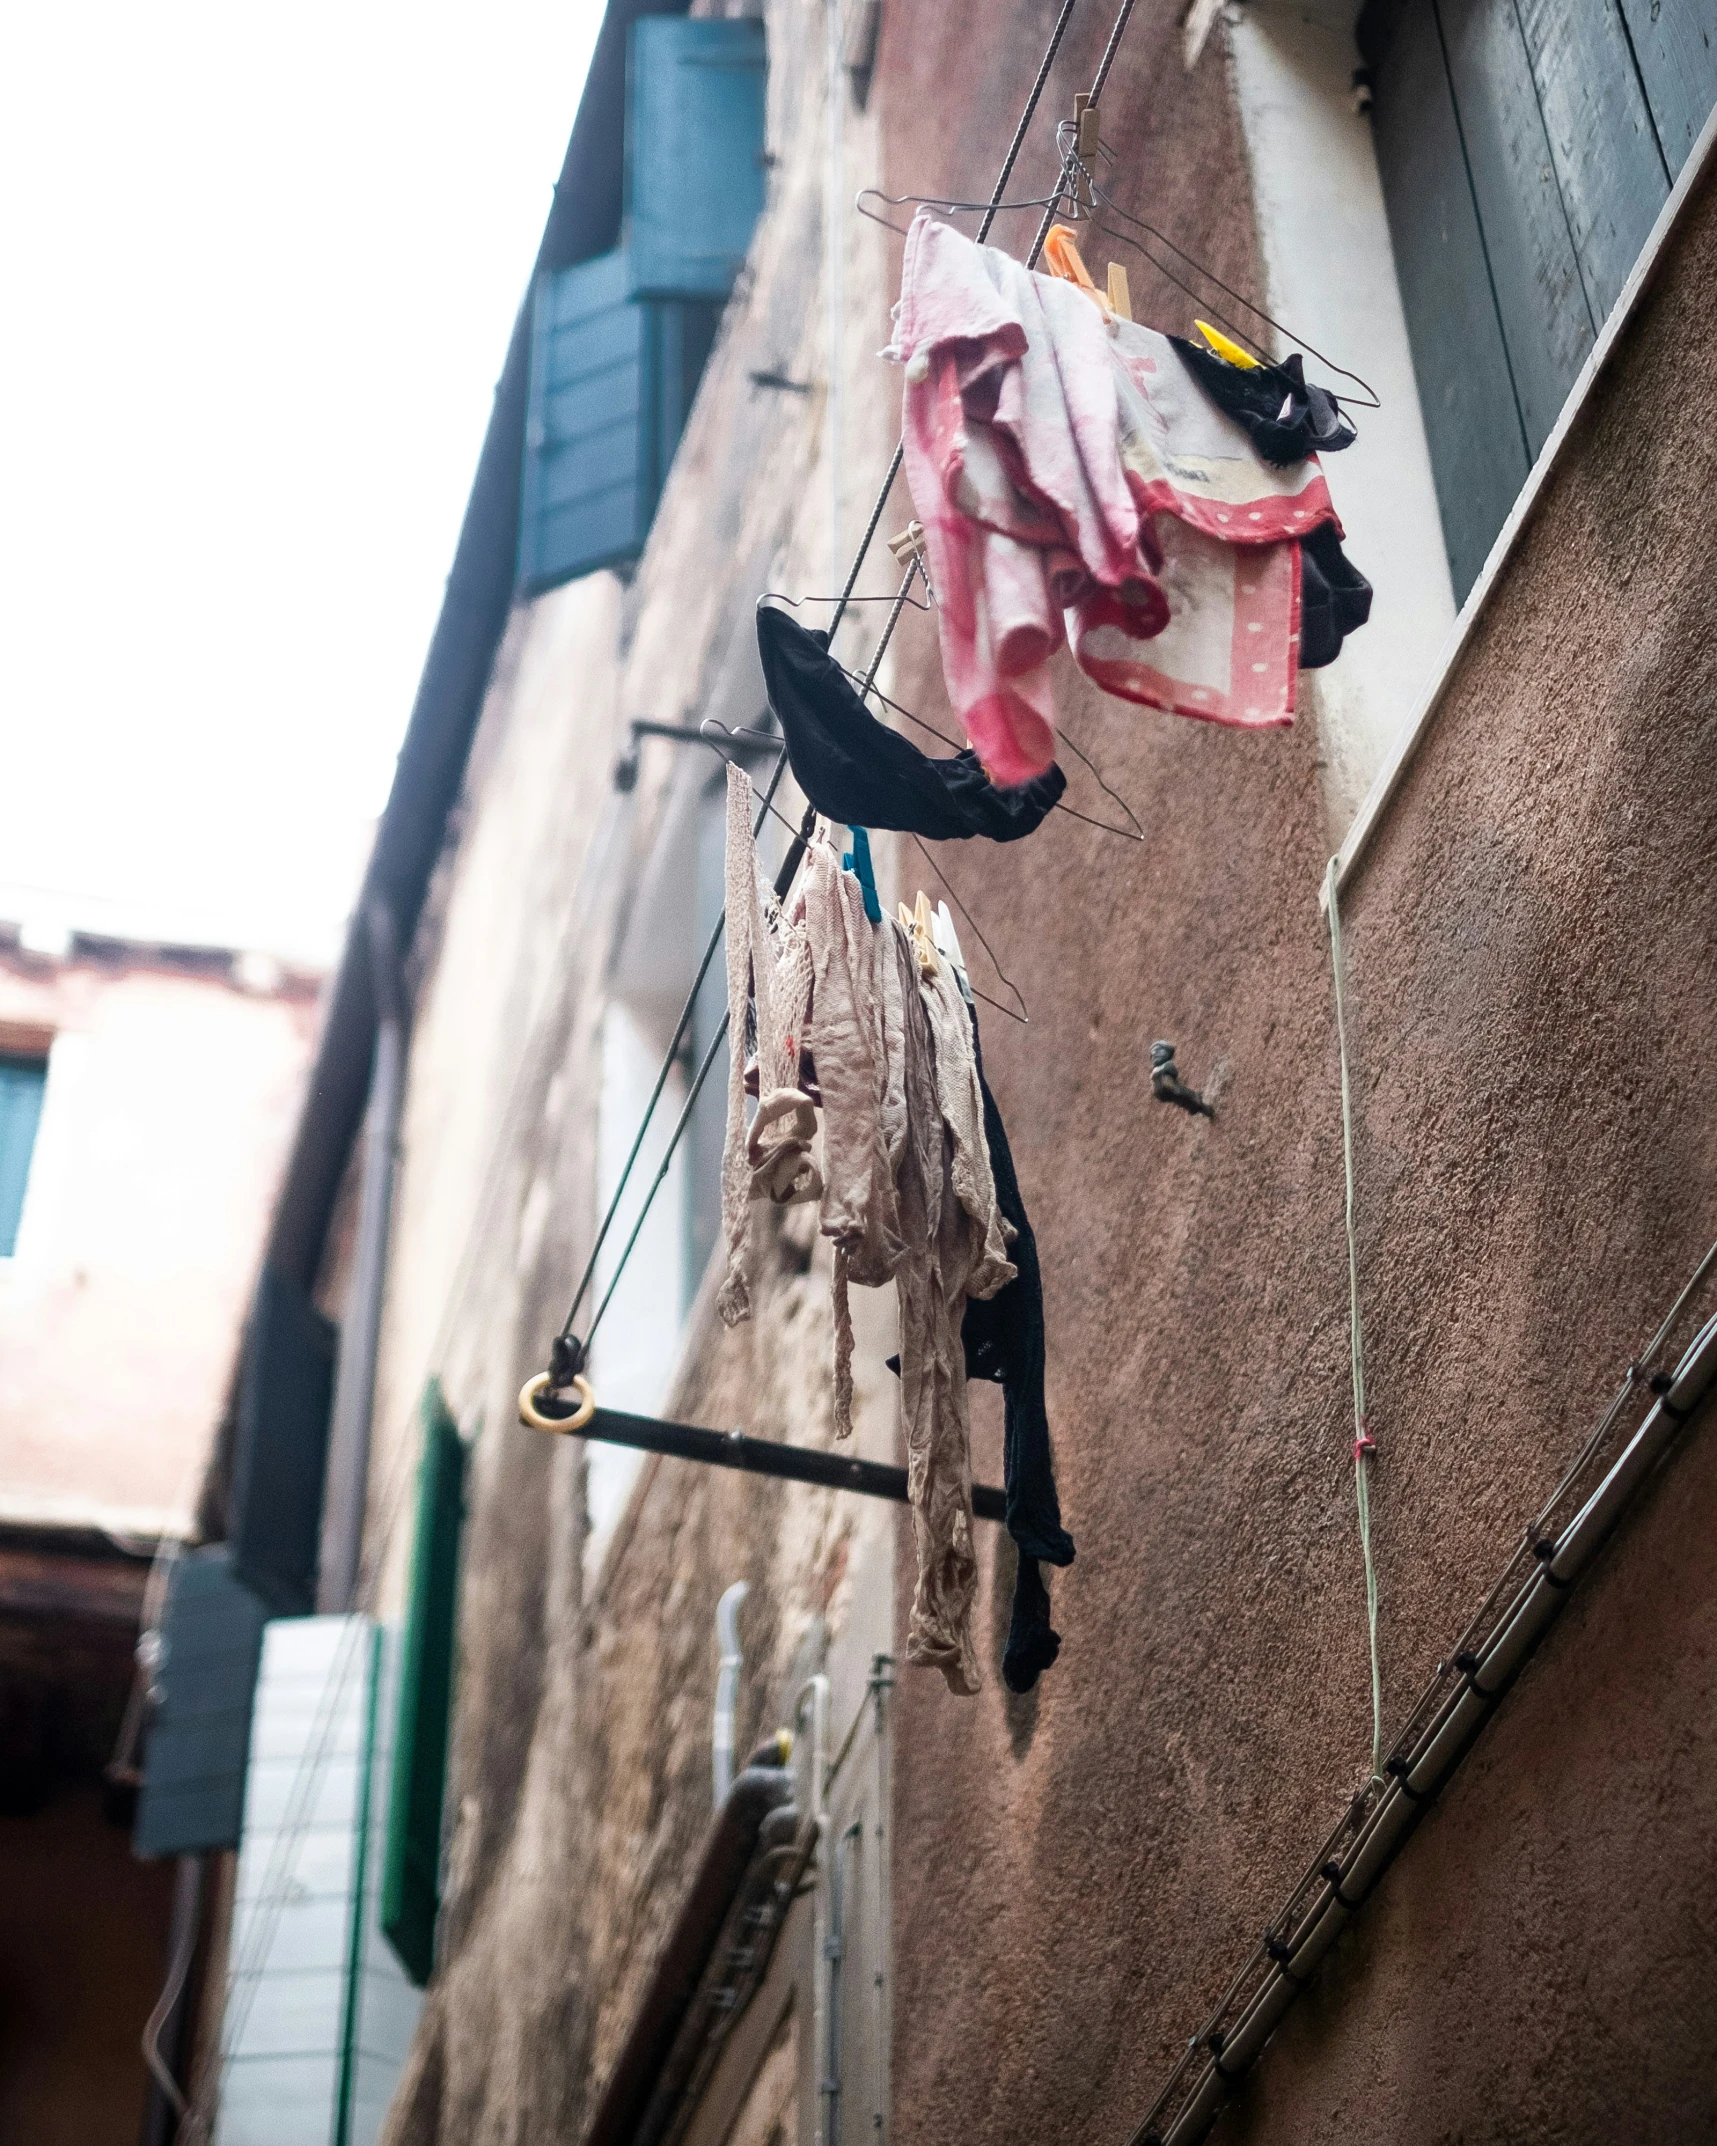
(429, 774)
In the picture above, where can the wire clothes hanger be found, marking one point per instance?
(949, 208)
(570, 1353)
(1133, 834)
(1066, 142)
(779, 596)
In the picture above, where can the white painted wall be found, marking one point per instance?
(1330, 272)
(636, 1351)
(283, 2030)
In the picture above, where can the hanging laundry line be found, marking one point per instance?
(569, 1353)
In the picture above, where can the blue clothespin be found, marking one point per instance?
(857, 860)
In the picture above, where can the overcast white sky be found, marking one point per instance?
(258, 267)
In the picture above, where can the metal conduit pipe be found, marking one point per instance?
(835, 1952)
(726, 1687)
(1419, 1776)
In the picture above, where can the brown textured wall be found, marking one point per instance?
(1534, 1053)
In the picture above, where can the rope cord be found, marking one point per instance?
(1363, 1444)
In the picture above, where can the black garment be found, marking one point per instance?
(1003, 1336)
(859, 772)
(1335, 597)
(1285, 418)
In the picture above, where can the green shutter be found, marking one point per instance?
(22, 1082)
(695, 169)
(411, 1868)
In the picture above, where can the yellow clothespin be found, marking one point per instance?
(1120, 297)
(1226, 349)
(1062, 257)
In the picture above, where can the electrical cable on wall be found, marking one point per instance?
(1364, 1445)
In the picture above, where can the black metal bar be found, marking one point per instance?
(742, 741)
(762, 1456)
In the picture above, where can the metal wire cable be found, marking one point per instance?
(570, 1351)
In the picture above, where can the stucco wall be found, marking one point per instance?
(579, 1787)
(1529, 949)
(1076, 1873)
(169, 1102)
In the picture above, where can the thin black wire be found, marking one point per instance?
(1024, 1014)
(670, 1059)
(791, 863)
(783, 881)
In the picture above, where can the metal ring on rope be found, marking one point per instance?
(533, 1390)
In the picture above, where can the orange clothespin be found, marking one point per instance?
(1062, 256)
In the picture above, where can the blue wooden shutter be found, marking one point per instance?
(22, 1084)
(192, 1797)
(694, 152)
(590, 479)
(411, 1869)
(281, 1452)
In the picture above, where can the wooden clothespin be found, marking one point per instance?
(1087, 137)
(909, 544)
(1120, 297)
(918, 924)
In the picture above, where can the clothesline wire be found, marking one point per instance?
(570, 1353)
(1024, 1014)
(1240, 299)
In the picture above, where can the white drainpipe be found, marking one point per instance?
(727, 1686)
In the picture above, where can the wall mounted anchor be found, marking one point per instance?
(1168, 1087)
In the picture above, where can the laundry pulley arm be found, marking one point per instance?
(733, 1449)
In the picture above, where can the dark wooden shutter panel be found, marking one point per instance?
(1478, 447)
(281, 1453)
(411, 1869)
(1675, 46)
(695, 174)
(1602, 141)
(1535, 276)
(199, 1740)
